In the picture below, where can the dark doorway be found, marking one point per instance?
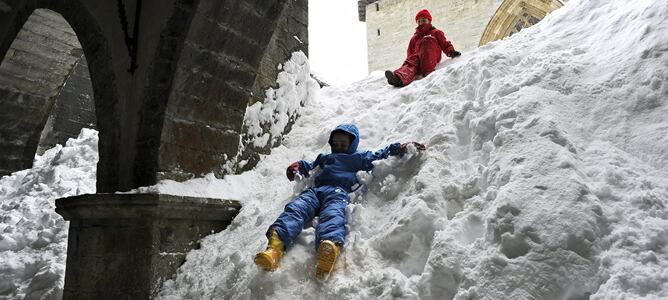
(46, 95)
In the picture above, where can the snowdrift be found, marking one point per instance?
(33, 237)
(545, 175)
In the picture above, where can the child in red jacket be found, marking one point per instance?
(424, 52)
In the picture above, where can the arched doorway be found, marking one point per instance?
(43, 76)
(514, 15)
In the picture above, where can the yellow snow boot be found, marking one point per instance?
(328, 251)
(270, 259)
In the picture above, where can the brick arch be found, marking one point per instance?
(513, 15)
(23, 128)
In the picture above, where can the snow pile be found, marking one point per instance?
(265, 122)
(33, 237)
(546, 175)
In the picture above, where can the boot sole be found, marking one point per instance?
(326, 260)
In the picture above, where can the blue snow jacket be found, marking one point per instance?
(339, 169)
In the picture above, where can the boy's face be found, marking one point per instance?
(340, 142)
(421, 21)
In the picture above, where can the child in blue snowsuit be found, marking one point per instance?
(327, 199)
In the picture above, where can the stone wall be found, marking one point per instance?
(291, 36)
(229, 59)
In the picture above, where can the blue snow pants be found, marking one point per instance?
(327, 202)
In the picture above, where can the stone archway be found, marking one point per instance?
(513, 15)
(40, 60)
(171, 79)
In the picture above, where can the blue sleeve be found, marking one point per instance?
(369, 157)
(306, 166)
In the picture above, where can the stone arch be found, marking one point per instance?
(73, 109)
(513, 15)
(218, 70)
(40, 50)
(171, 105)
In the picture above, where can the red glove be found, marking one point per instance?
(292, 170)
(420, 147)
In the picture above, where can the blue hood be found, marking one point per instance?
(350, 129)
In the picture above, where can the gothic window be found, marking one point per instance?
(524, 21)
(515, 15)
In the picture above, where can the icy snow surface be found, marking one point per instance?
(33, 237)
(546, 175)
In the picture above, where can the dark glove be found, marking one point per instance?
(455, 54)
(404, 147)
(292, 170)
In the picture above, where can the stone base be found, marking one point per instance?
(123, 246)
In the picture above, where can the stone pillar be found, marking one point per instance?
(123, 246)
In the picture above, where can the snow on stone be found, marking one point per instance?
(33, 237)
(546, 175)
(295, 89)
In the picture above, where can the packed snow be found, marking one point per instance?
(33, 237)
(545, 177)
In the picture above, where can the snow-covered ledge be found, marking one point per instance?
(124, 246)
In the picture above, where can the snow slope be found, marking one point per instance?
(546, 175)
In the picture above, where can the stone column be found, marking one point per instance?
(123, 246)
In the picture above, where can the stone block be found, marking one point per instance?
(212, 112)
(123, 246)
(196, 148)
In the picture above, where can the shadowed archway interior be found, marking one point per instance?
(45, 90)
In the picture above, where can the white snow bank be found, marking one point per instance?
(546, 175)
(265, 121)
(33, 237)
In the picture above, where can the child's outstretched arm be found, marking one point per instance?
(302, 167)
(391, 150)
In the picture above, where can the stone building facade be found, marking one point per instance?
(467, 23)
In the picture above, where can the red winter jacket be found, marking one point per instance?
(446, 46)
